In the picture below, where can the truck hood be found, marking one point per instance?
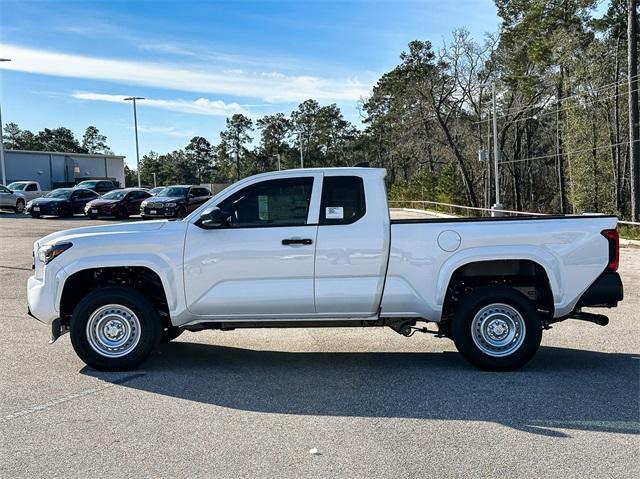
(138, 227)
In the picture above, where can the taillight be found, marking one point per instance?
(614, 249)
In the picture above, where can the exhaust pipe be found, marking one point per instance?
(599, 319)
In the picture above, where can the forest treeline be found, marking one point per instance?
(561, 75)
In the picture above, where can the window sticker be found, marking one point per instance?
(334, 212)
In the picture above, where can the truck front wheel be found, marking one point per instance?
(496, 328)
(114, 328)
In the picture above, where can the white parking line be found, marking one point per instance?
(68, 397)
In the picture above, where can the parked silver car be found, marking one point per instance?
(13, 200)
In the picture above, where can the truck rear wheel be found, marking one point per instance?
(114, 328)
(496, 328)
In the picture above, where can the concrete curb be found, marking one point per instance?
(629, 243)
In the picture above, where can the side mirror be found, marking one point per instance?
(213, 219)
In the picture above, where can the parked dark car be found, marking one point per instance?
(99, 186)
(174, 202)
(61, 202)
(118, 203)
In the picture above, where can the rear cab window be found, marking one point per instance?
(343, 200)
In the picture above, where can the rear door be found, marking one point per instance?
(352, 246)
(133, 201)
(80, 198)
(260, 264)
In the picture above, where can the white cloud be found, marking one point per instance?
(270, 87)
(200, 106)
(166, 130)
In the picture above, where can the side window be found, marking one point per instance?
(342, 200)
(31, 187)
(282, 202)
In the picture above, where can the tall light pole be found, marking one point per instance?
(135, 126)
(4, 171)
(277, 155)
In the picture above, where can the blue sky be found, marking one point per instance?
(198, 62)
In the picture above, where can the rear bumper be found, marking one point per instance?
(606, 291)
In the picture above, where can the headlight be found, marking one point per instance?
(170, 205)
(48, 253)
(144, 203)
(29, 204)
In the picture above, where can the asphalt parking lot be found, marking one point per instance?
(252, 403)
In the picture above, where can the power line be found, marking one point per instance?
(591, 92)
(568, 153)
(555, 111)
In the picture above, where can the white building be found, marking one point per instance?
(54, 169)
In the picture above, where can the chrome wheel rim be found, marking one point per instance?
(20, 206)
(113, 330)
(498, 330)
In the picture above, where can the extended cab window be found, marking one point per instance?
(31, 187)
(342, 200)
(282, 202)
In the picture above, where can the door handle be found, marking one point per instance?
(290, 241)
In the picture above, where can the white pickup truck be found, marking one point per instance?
(29, 189)
(317, 248)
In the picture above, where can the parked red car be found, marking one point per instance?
(119, 203)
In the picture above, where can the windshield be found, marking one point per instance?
(59, 193)
(87, 184)
(17, 186)
(115, 195)
(172, 191)
(156, 190)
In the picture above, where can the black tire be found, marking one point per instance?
(181, 213)
(486, 302)
(170, 333)
(19, 206)
(149, 328)
(122, 213)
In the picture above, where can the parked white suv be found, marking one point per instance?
(314, 248)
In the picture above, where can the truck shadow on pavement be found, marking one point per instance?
(559, 389)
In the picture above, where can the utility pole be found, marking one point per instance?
(301, 155)
(154, 179)
(4, 171)
(135, 127)
(277, 155)
(634, 128)
(496, 154)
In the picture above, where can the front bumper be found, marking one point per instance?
(42, 293)
(158, 212)
(606, 291)
(45, 210)
(99, 211)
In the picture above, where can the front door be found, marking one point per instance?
(6, 197)
(262, 263)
